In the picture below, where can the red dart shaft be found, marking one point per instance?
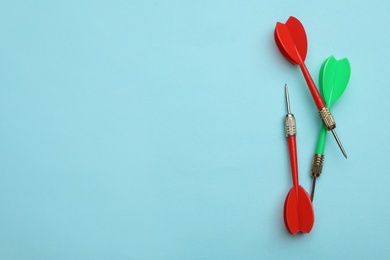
(292, 149)
(312, 87)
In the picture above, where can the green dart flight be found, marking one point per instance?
(334, 77)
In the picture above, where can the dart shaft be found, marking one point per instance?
(312, 87)
(320, 149)
(292, 149)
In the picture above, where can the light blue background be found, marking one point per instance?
(154, 130)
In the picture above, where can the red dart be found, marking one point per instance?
(298, 210)
(292, 42)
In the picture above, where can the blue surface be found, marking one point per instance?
(154, 130)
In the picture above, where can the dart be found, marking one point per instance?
(292, 42)
(298, 210)
(334, 77)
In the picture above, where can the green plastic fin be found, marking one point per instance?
(322, 76)
(334, 77)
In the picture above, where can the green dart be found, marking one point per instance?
(334, 77)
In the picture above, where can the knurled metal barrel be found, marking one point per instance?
(327, 118)
(316, 165)
(290, 125)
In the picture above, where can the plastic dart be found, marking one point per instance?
(292, 42)
(298, 210)
(334, 77)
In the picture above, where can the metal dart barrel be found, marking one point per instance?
(315, 171)
(330, 124)
(289, 121)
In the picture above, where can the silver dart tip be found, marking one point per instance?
(287, 99)
(313, 187)
(339, 143)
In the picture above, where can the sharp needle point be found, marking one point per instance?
(339, 143)
(313, 186)
(287, 99)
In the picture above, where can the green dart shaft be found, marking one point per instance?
(321, 140)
